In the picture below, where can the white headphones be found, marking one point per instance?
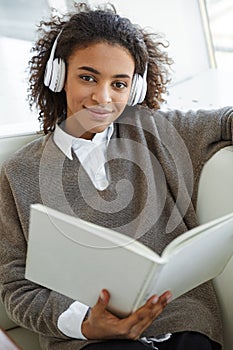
(138, 89)
(55, 72)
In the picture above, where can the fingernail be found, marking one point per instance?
(155, 299)
(169, 298)
(102, 297)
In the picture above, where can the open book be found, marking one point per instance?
(79, 259)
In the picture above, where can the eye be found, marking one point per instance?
(120, 85)
(86, 77)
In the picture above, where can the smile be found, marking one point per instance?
(99, 113)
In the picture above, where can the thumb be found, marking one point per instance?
(103, 300)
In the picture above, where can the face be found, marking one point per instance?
(97, 88)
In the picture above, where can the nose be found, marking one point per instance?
(102, 94)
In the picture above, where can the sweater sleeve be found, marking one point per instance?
(204, 132)
(28, 304)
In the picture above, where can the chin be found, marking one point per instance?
(99, 129)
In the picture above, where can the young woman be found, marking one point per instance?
(110, 156)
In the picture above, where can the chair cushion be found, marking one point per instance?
(5, 322)
(26, 339)
(8, 145)
(215, 199)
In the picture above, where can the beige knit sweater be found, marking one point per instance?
(154, 164)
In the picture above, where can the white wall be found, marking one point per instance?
(180, 21)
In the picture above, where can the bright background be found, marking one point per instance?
(200, 34)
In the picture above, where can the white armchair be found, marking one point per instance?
(215, 198)
(26, 339)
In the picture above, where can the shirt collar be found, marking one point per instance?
(65, 141)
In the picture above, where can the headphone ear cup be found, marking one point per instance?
(58, 75)
(55, 70)
(143, 88)
(138, 90)
(132, 91)
(48, 72)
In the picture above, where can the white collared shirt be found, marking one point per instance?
(91, 153)
(92, 156)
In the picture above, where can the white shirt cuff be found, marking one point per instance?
(70, 321)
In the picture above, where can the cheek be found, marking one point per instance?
(119, 108)
(75, 97)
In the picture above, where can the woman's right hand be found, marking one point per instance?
(102, 324)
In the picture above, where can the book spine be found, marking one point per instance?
(145, 291)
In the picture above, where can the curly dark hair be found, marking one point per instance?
(81, 28)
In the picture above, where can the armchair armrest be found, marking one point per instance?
(215, 199)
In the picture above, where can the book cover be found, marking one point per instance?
(78, 259)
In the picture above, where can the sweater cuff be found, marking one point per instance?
(70, 321)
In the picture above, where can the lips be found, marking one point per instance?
(99, 113)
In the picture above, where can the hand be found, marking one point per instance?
(102, 324)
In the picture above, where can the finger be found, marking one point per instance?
(143, 317)
(154, 306)
(93, 327)
(102, 301)
(164, 299)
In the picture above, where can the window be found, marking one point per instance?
(18, 20)
(221, 25)
(17, 32)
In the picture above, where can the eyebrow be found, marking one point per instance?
(92, 70)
